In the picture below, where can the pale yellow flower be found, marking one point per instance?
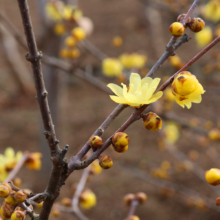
(187, 89)
(211, 10)
(171, 132)
(111, 67)
(140, 91)
(204, 37)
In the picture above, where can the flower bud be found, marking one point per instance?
(105, 162)
(18, 215)
(59, 29)
(213, 176)
(117, 41)
(20, 196)
(5, 189)
(87, 199)
(141, 197)
(181, 17)
(66, 202)
(176, 29)
(184, 84)
(128, 199)
(217, 202)
(64, 53)
(120, 150)
(120, 140)
(214, 134)
(196, 24)
(17, 182)
(95, 141)
(133, 217)
(55, 212)
(74, 53)
(6, 210)
(10, 199)
(79, 33)
(152, 121)
(70, 41)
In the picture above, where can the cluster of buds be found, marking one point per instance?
(11, 199)
(152, 121)
(120, 142)
(77, 34)
(195, 25)
(139, 198)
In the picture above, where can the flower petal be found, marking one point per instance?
(149, 93)
(136, 80)
(116, 89)
(118, 99)
(147, 80)
(130, 97)
(155, 82)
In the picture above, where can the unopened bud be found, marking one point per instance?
(176, 29)
(17, 182)
(66, 202)
(87, 199)
(18, 215)
(20, 196)
(141, 197)
(152, 121)
(10, 199)
(217, 202)
(214, 134)
(55, 213)
(95, 141)
(213, 176)
(5, 190)
(181, 17)
(105, 162)
(196, 24)
(6, 210)
(120, 139)
(128, 199)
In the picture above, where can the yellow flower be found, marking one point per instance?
(59, 29)
(77, 14)
(171, 132)
(34, 162)
(111, 67)
(211, 10)
(213, 176)
(87, 199)
(140, 91)
(117, 41)
(79, 33)
(53, 12)
(133, 60)
(187, 89)
(204, 37)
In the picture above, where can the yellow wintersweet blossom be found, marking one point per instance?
(187, 89)
(171, 131)
(111, 67)
(204, 37)
(34, 162)
(211, 10)
(140, 91)
(133, 60)
(8, 160)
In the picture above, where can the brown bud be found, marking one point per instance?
(141, 197)
(6, 210)
(66, 202)
(20, 196)
(5, 190)
(105, 162)
(120, 142)
(152, 121)
(217, 202)
(128, 199)
(196, 24)
(95, 141)
(181, 17)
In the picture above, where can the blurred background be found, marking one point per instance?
(168, 165)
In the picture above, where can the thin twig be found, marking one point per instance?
(79, 189)
(16, 169)
(132, 209)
